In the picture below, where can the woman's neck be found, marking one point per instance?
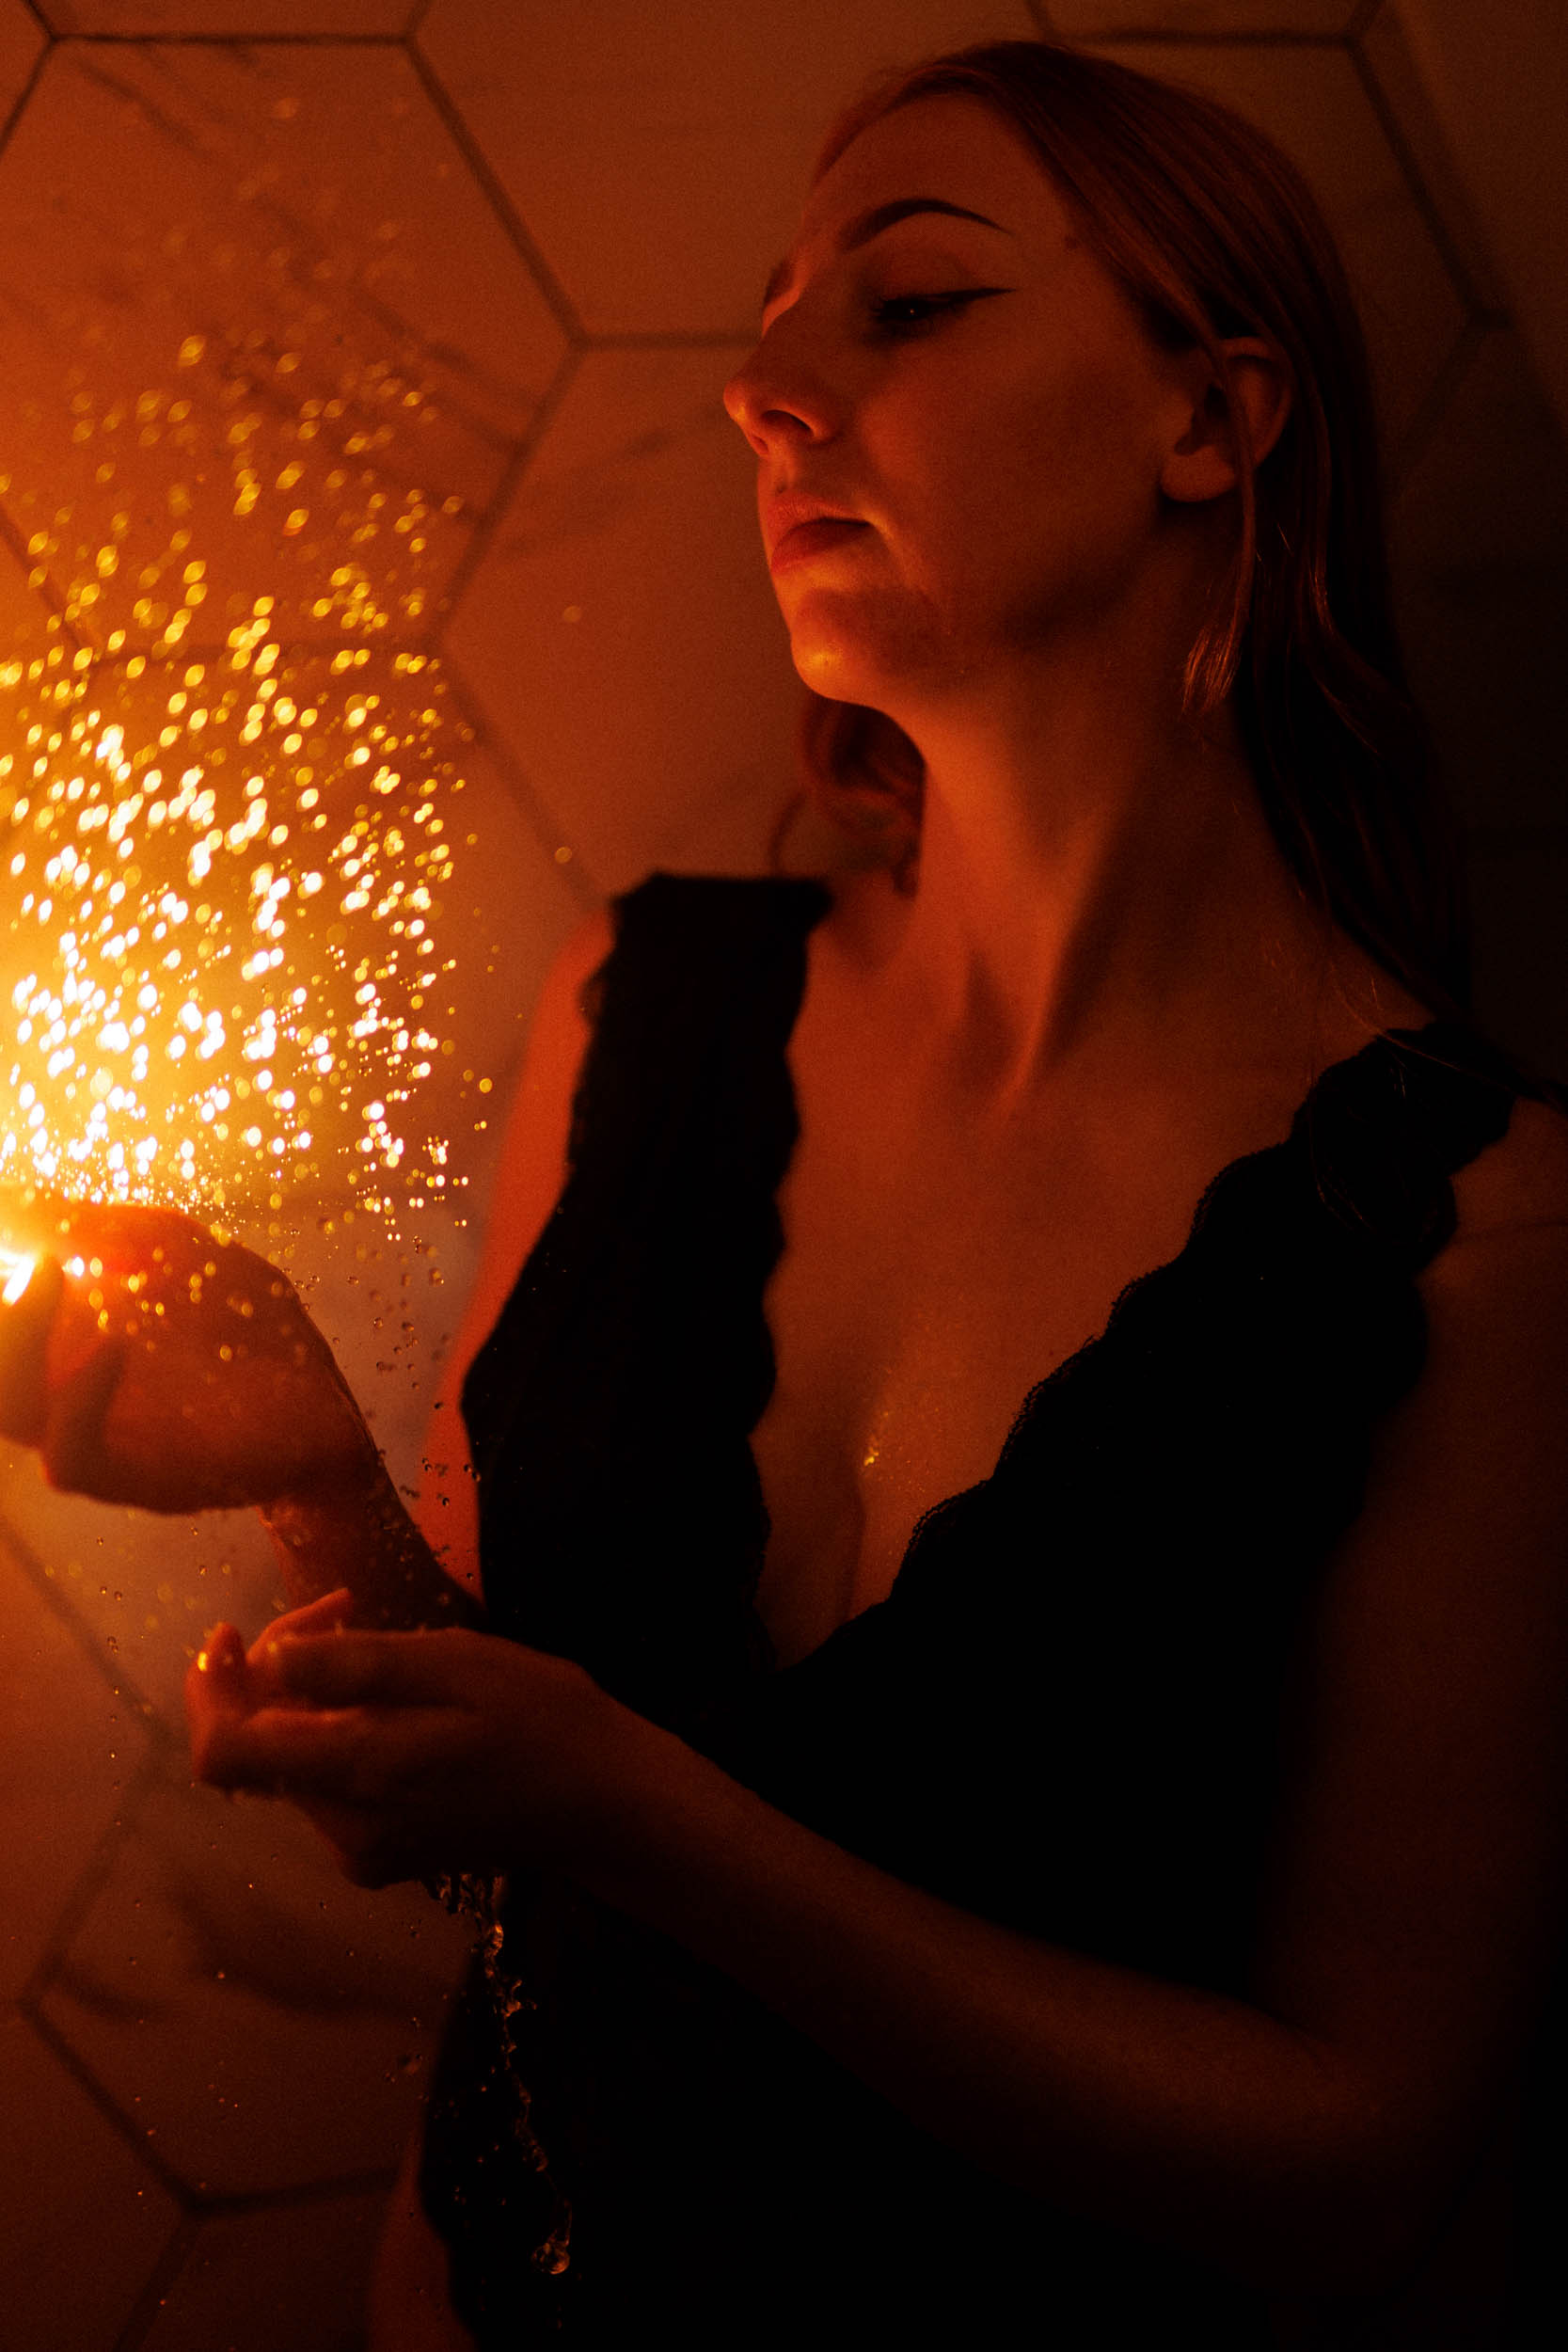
(1098, 883)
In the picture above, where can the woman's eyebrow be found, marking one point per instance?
(868, 225)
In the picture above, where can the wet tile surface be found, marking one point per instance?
(252, 296)
(71, 1753)
(287, 2276)
(222, 1936)
(84, 2221)
(620, 632)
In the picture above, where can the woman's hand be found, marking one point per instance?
(418, 1754)
(173, 1371)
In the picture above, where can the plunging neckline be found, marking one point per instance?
(1398, 1040)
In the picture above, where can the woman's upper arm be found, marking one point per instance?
(529, 1181)
(1421, 1891)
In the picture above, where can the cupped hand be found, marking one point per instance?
(415, 1753)
(152, 1363)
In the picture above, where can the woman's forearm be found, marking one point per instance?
(356, 1533)
(1189, 2118)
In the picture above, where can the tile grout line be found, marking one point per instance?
(87, 2082)
(24, 97)
(94, 1875)
(488, 182)
(487, 521)
(1417, 436)
(47, 1585)
(1415, 180)
(549, 836)
(156, 2289)
(229, 40)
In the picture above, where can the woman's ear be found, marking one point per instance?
(1206, 461)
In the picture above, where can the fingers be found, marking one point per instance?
(215, 1690)
(288, 1752)
(329, 1612)
(24, 1327)
(370, 1669)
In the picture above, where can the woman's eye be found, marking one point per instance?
(907, 313)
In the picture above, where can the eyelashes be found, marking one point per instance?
(898, 315)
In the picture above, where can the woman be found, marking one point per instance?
(1128, 1901)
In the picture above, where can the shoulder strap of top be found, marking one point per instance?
(622, 1521)
(1387, 1131)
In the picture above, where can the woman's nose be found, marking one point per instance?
(779, 399)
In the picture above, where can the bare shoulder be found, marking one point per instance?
(534, 1152)
(532, 1164)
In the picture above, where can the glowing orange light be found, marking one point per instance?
(218, 952)
(18, 1273)
(224, 860)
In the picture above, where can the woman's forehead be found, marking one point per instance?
(949, 147)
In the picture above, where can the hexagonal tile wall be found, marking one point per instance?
(22, 44)
(658, 156)
(619, 633)
(257, 316)
(87, 2220)
(215, 1938)
(281, 2275)
(76, 1744)
(274, 20)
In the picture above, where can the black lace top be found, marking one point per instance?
(1066, 1717)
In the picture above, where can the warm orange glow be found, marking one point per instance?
(222, 882)
(17, 1271)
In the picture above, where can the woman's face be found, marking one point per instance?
(945, 366)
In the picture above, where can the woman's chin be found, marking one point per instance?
(869, 648)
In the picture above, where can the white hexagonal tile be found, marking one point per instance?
(278, 19)
(86, 2223)
(1312, 102)
(658, 156)
(260, 2019)
(264, 336)
(620, 634)
(1086, 19)
(69, 1750)
(289, 2275)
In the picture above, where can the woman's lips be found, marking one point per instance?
(816, 537)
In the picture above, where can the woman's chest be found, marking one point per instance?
(930, 1278)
